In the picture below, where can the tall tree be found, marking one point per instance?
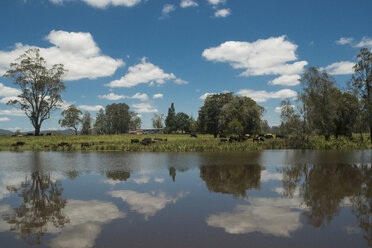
(86, 123)
(118, 118)
(290, 120)
(100, 124)
(319, 96)
(135, 121)
(182, 122)
(41, 87)
(209, 113)
(71, 118)
(157, 121)
(362, 82)
(170, 121)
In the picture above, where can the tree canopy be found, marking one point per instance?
(41, 87)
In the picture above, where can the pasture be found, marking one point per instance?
(172, 143)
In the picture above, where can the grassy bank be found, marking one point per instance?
(174, 143)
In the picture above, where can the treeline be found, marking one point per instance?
(324, 109)
(116, 118)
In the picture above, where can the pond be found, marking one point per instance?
(281, 198)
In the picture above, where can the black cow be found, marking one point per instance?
(279, 136)
(133, 141)
(193, 135)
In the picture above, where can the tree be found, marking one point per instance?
(182, 122)
(362, 82)
(290, 120)
(100, 124)
(118, 118)
(86, 123)
(157, 121)
(41, 87)
(71, 118)
(135, 122)
(319, 96)
(170, 121)
(347, 112)
(265, 127)
(210, 112)
(243, 110)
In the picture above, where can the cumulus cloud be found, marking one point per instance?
(77, 51)
(216, 2)
(144, 203)
(274, 216)
(222, 13)
(143, 73)
(144, 108)
(142, 180)
(180, 81)
(8, 91)
(340, 68)
(159, 180)
(4, 119)
(158, 96)
(204, 96)
(344, 41)
(188, 3)
(286, 80)
(12, 112)
(104, 3)
(168, 8)
(114, 97)
(273, 56)
(365, 42)
(263, 96)
(270, 176)
(90, 108)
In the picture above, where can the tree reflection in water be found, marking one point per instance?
(118, 175)
(42, 203)
(231, 179)
(323, 189)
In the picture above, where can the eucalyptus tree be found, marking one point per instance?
(362, 82)
(71, 118)
(41, 86)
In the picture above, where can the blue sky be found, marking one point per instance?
(149, 53)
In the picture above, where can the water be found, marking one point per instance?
(258, 199)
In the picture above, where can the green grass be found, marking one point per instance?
(175, 143)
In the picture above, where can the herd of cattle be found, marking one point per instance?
(148, 141)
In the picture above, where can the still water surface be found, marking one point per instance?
(258, 199)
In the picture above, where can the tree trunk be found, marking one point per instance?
(37, 130)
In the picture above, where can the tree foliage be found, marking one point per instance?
(157, 121)
(170, 120)
(71, 118)
(86, 123)
(41, 87)
(362, 82)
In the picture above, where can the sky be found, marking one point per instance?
(150, 53)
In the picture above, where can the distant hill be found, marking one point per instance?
(5, 132)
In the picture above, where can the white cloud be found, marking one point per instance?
(268, 176)
(114, 97)
(279, 109)
(77, 51)
(144, 203)
(263, 96)
(143, 73)
(104, 3)
(4, 119)
(5, 100)
(142, 180)
(12, 112)
(90, 108)
(341, 68)
(215, 2)
(188, 3)
(144, 108)
(204, 96)
(159, 180)
(168, 8)
(286, 80)
(366, 42)
(272, 216)
(262, 57)
(180, 81)
(158, 96)
(344, 41)
(8, 91)
(222, 13)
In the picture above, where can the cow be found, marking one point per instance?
(48, 134)
(279, 136)
(223, 140)
(146, 141)
(133, 141)
(63, 144)
(223, 136)
(19, 143)
(85, 144)
(193, 135)
(269, 136)
(258, 139)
